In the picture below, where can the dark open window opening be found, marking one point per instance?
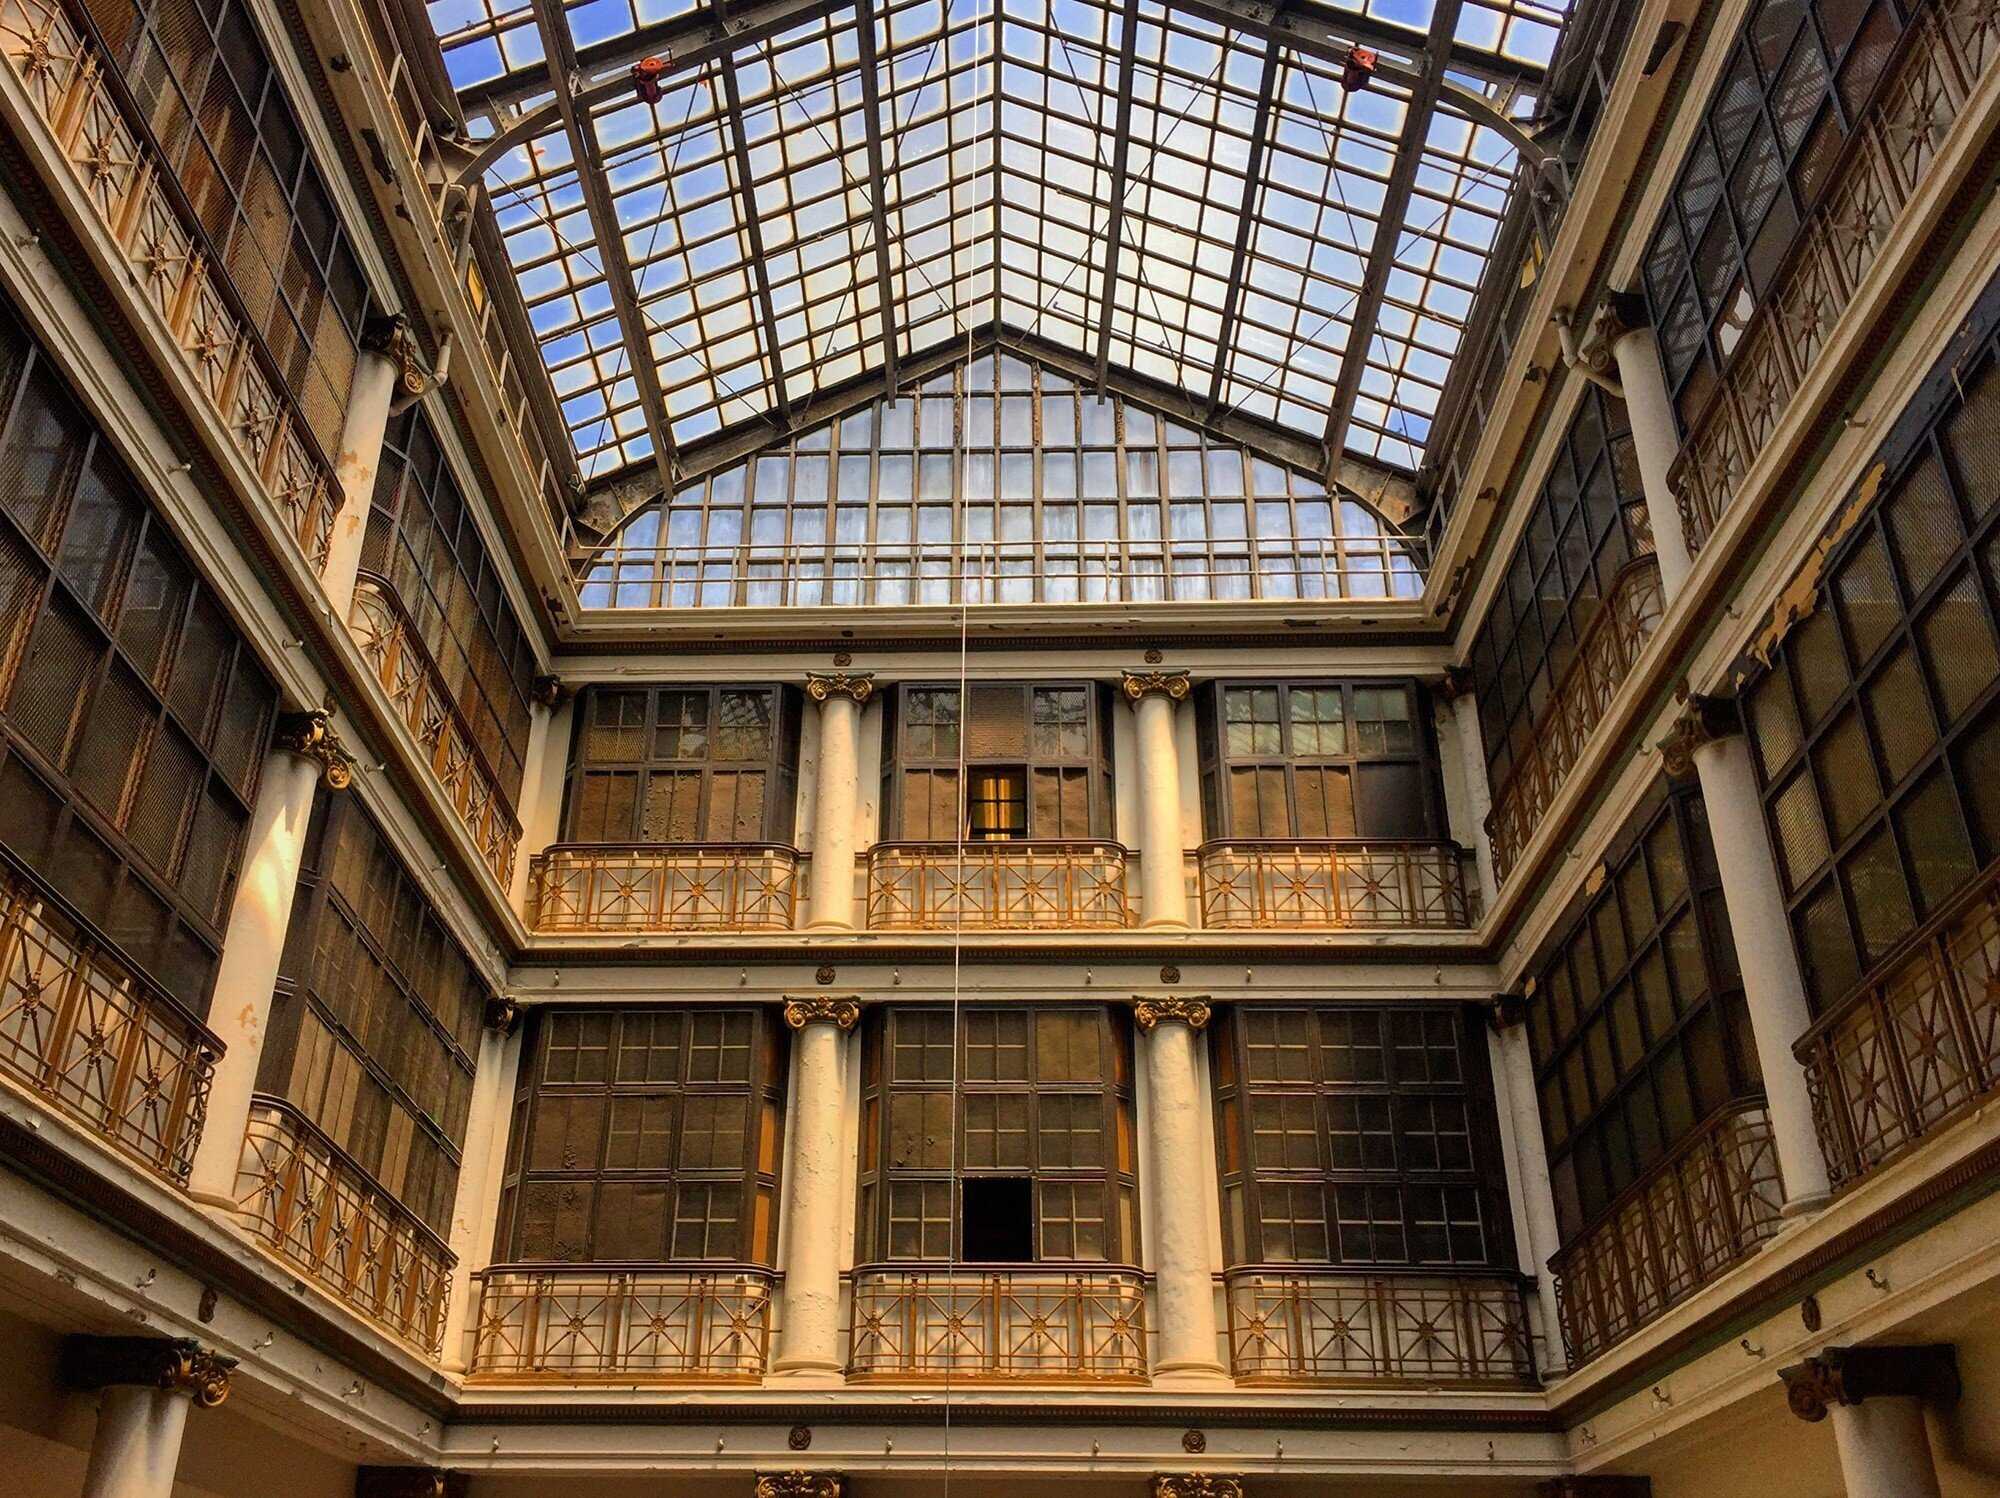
(997, 1219)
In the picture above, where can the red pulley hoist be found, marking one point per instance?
(647, 75)
(1358, 69)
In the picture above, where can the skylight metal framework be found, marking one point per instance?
(826, 190)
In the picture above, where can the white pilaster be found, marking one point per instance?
(1183, 1271)
(1528, 1184)
(836, 805)
(1162, 837)
(1773, 987)
(482, 1167)
(253, 946)
(815, 1173)
(542, 777)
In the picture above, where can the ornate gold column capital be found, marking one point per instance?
(1619, 315)
(1703, 721)
(817, 1010)
(311, 735)
(1848, 1375)
(1596, 1485)
(551, 691)
(1151, 1013)
(392, 337)
(1139, 685)
(180, 1365)
(410, 1482)
(858, 685)
(1454, 683)
(502, 1014)
(798, 1484)
(1196, 1485)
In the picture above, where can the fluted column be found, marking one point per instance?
(145, 1387)
(305, 750)
(837, 800)
(1875, 1397)
(1183, 1272)
(1162, 849)
(809, 1305)
(1621, 338)
(1709, 736)
(385, 366)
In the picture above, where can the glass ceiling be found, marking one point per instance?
(821, 191)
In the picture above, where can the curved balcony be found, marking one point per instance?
(1028, 884)
(394, 648)
(648, 888)
(628, 1323)
(1708, 1205)
(1915, 1048)
(302, 1196)
(1336, 884)
(1004, 1324)
(1889, 154)
(1334, 1327)
(1605, 655)
(83, 1031)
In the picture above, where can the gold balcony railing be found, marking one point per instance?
(392, 645)
(89, 115)
(320, 1212)
(1036, 884)
(80, 1029)
(1336, 883)
(1705, 1207)
(1334, 1327)
(1914, 1048)
(1939, 61)
(626, 1323)
(1019, 1324)
(1605, 655)
(646, 887)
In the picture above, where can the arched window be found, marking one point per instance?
(1001, 481)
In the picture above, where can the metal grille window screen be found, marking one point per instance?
(133, 718)
(1638, 1025)
(1358, 1136)
(377, 1016)
(646, 1135)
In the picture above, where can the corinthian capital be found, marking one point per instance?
(1150, 1014)
(393, 338)
(1196, 1485)
(798, 1485)
(312, 736)
(179, 1365)
(799, 1013)
(1848, 1375)
(1703, 721)
(1139, 685)
(859, 685)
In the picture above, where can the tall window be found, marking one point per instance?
(1877, 726)
(1315, 759)
(1038, 1163)
(377, 1014)
(685, 765)
(1586, 526)
(1036, 761)
(133, 717)
(204, 82)
(646, 1135)
(1008, 474)
(1797, 83)
(423, 542)
(1359, 1135)
(1637, 1024)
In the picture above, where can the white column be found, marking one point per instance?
(145, 1387)
(837, 799)
(1183, 1273)
(253, 943)
(809, 1303)
(1162, 849)
(482, 1167)
(1635, 352)
(1885, 1451)
(1773, 987)
(543, 772)
(1875, 1395)
(386, 353)
(1478, 789)
(1528, 1184)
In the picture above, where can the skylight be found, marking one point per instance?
(821, 191)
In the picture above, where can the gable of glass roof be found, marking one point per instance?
(823, 192)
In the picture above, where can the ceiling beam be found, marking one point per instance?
(878, 185)
(753, 230)
(1121, 155)
(610, 244)
(1246, 223)
(1388, 231)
